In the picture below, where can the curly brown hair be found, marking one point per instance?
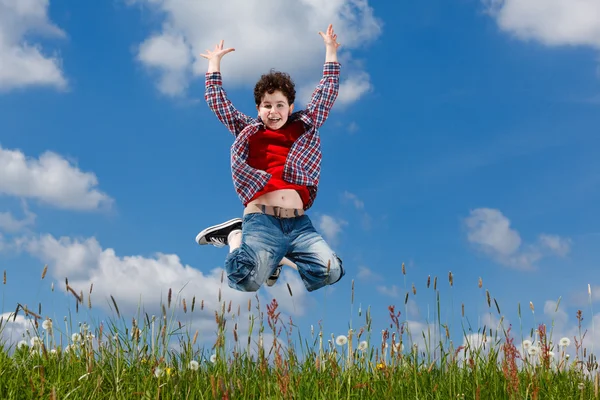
(275, 80)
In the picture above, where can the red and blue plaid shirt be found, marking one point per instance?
(303, 164)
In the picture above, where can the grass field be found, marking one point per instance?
(258, 354)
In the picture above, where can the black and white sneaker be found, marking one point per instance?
(217, 234)
(274, 276)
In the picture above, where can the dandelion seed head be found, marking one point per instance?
(158, 372)
(76, 338)
(35, 341)
(564, 342)
(213, 358)
(47, 325)
(194, 365)
(22, 344)
(362, 346)
(527, 344)
(533, 350)
(341, 340)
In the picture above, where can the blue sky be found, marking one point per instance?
(462, 140)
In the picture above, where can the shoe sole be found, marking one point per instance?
(214, 228)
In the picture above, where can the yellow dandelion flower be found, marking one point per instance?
(380, 366)
(169, 371)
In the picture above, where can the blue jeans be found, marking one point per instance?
(267, 239)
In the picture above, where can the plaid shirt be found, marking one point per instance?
(303, 164)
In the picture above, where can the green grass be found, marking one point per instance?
(147, 357)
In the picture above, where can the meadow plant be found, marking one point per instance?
(265, 356)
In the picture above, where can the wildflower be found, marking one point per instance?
(76, 338)
(564, 342)
(527, 344)
(533, 350)
(341, 340)
(53, 351)
(158, 372)
(380, 366)
(213, 358)
(169, 371)
(35, 341)
(398, 348)
(551, 354)
(22, 344)
(47, 325)
(362, 346)
(194, 365)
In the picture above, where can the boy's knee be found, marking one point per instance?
(336, 270)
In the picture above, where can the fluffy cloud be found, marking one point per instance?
(490, 231)
(21, 63)
(13, 329)
(551, 22)
(330, 227)
(50, 179)
(10, 224)
(265, 34)
(391, 291)
(365, 273)
(136, 280)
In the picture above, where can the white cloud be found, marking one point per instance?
(491, 232)
(21, 63)
(353, 127)
(353, 88)
(358, 203)
(137, 280)
(10, 224)
(50, 179)
(265, 34)
(13, 329)
(557, 244)
(170, 55)
(391, 291)
(551, 22)
(331, 227)
(365, 273)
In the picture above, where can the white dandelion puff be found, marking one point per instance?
(213, 358)
(398, 348)
(362, 346)
(158, 372)
(341, 340)
(533, 350)
(564, 342)
(194, 365)
(76, 338)
(22, 344)
(36, 341)
(47, 325)
(527, 344)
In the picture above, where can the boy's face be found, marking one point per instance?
(274, 110)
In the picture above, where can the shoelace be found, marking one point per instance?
(219, 242)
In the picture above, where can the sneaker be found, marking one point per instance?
(217, 234)
(274, 276)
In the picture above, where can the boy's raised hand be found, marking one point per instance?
(218, 52)
(330, 38)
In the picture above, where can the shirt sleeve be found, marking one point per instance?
(325, 94)
(217, 101)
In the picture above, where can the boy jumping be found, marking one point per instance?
(275, 162)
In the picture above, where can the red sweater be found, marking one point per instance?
(268, 152)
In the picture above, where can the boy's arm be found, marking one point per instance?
(326, 92)
(215, 95)
(217, 101)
